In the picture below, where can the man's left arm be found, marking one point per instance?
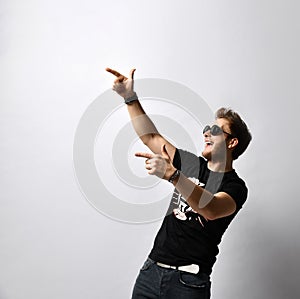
(211, 206)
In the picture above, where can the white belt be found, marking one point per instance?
(193, 268)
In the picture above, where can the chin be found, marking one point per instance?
(206, 155)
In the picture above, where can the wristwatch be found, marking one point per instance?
(174, 176)
(134, 97)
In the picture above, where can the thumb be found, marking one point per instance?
(164, 152)
(131, 74)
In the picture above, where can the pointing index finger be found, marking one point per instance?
(144, 155)
(117, 74)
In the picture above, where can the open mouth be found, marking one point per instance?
(208, 143)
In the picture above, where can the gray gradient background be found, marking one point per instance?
(243, 54)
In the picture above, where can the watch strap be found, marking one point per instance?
(174, 176)
(133, 98)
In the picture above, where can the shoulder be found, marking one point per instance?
(236, 187)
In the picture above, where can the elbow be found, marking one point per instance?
(147, 138)
(209, 215)
(213, 214)
(144, 139)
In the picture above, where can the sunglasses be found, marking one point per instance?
(215, 130)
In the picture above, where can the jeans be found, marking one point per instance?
(156, 282)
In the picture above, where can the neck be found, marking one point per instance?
(220, 166)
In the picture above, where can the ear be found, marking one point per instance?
(233, 143)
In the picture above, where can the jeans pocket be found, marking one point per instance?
(147, 264)
(193, 280)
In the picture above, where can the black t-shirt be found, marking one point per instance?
(185, 236)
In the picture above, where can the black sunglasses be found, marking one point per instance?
(215, 130)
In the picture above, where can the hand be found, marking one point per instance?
(123, 85)
(159, 165)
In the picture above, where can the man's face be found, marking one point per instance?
(216, 145)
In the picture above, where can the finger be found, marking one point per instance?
(151, 162)
(144, 155)
(164, 152)
(120, 79)
(117, 74)
(152, 171)
(131, 74)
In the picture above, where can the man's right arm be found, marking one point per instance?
(146, 130)
(142, 124)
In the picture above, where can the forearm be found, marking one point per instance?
(142, 124)
(197, 197)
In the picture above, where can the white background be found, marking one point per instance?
(242, 54)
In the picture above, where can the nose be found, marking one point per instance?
(207, 134)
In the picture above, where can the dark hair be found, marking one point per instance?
(238, 129)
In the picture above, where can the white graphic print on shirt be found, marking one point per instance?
(183, 210)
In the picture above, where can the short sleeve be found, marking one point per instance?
(188, 163)
(237, 190)
(176, 160)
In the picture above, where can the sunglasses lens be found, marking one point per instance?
(206, 128)
(216, 130)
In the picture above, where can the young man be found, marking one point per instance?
(208, 195)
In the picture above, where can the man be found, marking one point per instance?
(208, 195)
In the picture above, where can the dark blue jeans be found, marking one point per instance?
(155, 282)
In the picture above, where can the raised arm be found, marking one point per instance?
(142, 124)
